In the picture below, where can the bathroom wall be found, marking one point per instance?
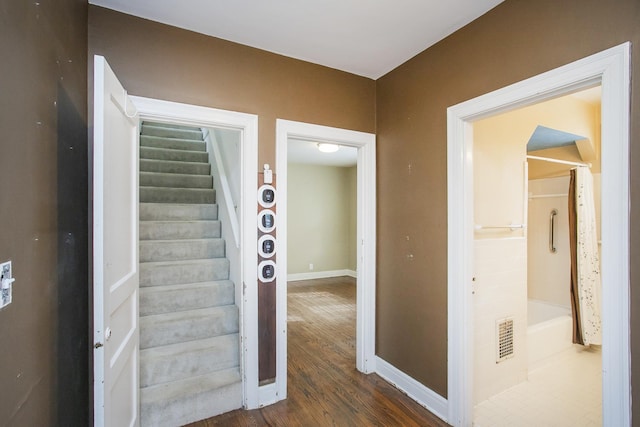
(500, 255)
(549, 274)
(500, 291)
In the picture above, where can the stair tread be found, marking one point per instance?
(184, 326)
(176, 155)
(174, 174)
(173, 144)
(179, 241)
(178, 221)
(192, 385)
(180, 262)
(178, 229)
(197, 196)
(185, 296)
(160, 161)
(175, 180)
(170, 138)
(187, 314)
(178, 150)
(183, 347)
(147, 129)
(177, 188)
(185, 286)
(170, 249)
(169, 125)
(160, 273)
(173, 362)
(170, 205)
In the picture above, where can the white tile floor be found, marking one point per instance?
(566, 392)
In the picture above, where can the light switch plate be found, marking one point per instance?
(5, 294)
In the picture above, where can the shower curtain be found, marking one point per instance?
(585, 259)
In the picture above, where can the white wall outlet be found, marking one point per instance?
(310, 267)
(6, 281)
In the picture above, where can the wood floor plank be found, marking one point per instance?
(324, 387)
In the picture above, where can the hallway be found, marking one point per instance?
(324, 387)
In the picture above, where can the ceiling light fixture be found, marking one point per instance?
(328, 148)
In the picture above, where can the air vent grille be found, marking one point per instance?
(504, 339)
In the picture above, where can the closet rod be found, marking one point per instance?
(563, 162)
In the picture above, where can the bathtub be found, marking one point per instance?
(549, 331)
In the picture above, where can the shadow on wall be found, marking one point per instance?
(72, 382)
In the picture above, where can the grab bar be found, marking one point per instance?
(552, 231)
(512, 227)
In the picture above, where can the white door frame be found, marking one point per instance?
(366, 235)
(611, 68)
(247, 124)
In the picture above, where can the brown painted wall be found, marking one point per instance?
(514, 41)
(163, 62)
(43, 179)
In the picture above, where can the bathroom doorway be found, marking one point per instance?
(522, 287)
(610, 68)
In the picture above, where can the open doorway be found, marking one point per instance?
(322, 262)
(523, 160)
(364, 143)
(609, 68)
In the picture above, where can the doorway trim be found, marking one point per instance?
(366, 235)
(611, 69)
(247, 124)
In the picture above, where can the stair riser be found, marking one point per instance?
(220, 353)
(215, 322)
(176, 250)
(171, 274)
(169, 212)
(167, 132)
(173, 155)
(190, 408)
(163, 166)
(165, 230)
(172, 180)
(169, 125)
(177, 195)
(171, 143)
(158, 300)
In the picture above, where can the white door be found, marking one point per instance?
(115, 252)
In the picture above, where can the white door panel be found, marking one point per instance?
(115, 252)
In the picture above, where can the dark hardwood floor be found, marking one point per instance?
(324, 387)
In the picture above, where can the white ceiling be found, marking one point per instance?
(364, 37)
(300, 151)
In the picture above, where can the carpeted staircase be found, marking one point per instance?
(189, 342)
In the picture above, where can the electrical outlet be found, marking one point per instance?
(6, 280)
(311, 267)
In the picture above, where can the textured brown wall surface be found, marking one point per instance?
(514, 41)
(43, 101)
(163, 62)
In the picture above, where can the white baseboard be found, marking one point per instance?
(424, 396)
(320, 275)
(268, 395)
